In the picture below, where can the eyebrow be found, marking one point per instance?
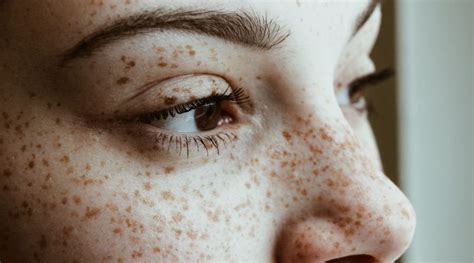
(241, 27)
(366, 15)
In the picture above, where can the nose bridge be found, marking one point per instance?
(351, 208)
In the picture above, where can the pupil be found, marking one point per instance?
(207, 117)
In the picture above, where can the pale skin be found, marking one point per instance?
(298, 178)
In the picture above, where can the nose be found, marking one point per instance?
(351, 211)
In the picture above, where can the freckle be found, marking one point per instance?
(64, 200)
(156, 250)
(122, 81)
(67, 230)
(137, 254)
(287, 136)
(31, 164)
(117, 231)
(177, 233)
(177, 217)
(64, 159)
(88, 182)
(147, 186)
(76, 199)
(167, 195)
(192, 52)
(304, 192)
(160, 49)
(192, 235)
(52, 206)
(162, 64)
(92, 212)
(170, 100)
(7, 173)
(325, 135)
(131, 64)
(169, 169)
(174, 66)
(129, 209)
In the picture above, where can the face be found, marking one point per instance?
(151, 131)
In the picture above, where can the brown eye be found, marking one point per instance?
(198, 115)
(207, 117)
(210, 116)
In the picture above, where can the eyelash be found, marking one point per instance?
(237, 96)
(357, 86)
(166, 140)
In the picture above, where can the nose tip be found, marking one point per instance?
(375, 227)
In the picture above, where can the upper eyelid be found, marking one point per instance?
(237, 95)
(182, 88)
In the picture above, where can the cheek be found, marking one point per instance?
(62, 191)
(53, 197)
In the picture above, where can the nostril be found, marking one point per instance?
(354, 259)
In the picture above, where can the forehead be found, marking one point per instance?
(318, 29)
(82, 17)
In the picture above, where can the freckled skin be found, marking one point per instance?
(123, 80)
(300, 179)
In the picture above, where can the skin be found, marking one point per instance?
(299, 181)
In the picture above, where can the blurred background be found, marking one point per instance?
(423, 120)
